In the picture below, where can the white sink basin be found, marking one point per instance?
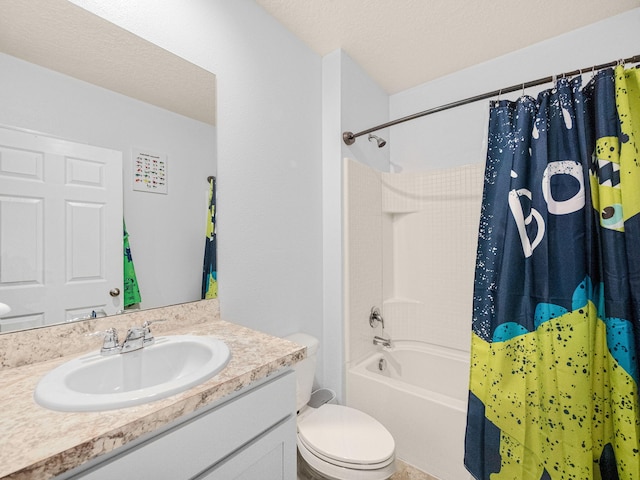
(94, 382)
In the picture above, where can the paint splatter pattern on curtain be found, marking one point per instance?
(554, 366)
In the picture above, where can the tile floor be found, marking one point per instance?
(405, 472)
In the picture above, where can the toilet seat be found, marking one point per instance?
(330, 471)
(346, 437)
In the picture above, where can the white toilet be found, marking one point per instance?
(338, 442)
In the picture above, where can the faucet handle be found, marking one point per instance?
(149, 339)
(375, 317)
(110, 344)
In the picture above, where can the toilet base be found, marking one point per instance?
(305, 472)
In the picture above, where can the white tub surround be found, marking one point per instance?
(410, 245)
(39, 444)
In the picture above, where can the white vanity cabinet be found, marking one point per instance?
(250, 435)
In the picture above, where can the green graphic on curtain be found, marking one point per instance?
(556, 320)
(131, 290)
(209, 269)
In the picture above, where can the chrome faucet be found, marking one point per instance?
(137, 338)
(383, 342)
(375, 318)
(134, 340)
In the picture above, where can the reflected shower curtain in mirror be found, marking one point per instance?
(209, 268)
(554, 356)
(131, 289)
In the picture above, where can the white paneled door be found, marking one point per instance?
(60, 229)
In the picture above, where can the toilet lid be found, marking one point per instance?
(346, 435)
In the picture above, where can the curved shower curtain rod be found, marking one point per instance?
(349, 137)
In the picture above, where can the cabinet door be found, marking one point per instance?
(209, 439)
(271, 456)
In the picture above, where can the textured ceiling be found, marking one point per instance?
(404, 43)
(400, 43)
(61, 36)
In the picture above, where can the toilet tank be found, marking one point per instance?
(305, 369)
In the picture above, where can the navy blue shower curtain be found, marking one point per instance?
(554, 365)
(210, 264)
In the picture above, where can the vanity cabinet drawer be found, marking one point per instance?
(197, 445)
(271, 456)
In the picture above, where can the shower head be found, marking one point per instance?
(381, 141)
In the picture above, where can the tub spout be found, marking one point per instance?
(384, 342)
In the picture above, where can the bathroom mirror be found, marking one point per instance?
(70, 74)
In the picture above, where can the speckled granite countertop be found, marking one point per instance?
(36, 443)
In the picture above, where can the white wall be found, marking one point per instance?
(351, 101)
(458, 136)
(332, 288)
(269, 152)
(166, 231)
(363, 104)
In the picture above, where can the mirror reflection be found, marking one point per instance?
(53, 91)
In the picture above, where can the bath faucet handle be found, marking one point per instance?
(375, 317)
(110, 344)
(149, 339)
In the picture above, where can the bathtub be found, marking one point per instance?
(419, 392)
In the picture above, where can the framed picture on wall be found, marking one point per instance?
(149, 171)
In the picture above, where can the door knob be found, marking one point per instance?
(114, 292)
